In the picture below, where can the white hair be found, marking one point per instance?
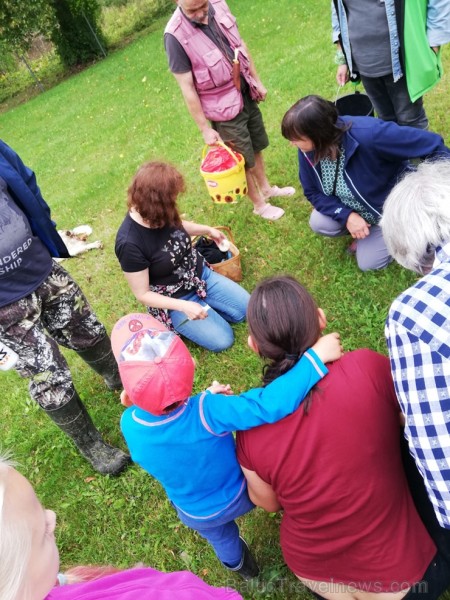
(416, 215)
(15, 543)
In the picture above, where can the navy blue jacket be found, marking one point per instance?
(376, 155)
(25, 192)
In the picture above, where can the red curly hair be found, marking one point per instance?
(153, 194)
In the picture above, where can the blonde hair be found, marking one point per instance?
(15, 542)
(15, 548)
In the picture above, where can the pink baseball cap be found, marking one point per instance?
(155, 366)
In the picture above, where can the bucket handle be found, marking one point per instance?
(219, 143)
(338, 93)
(340, 88)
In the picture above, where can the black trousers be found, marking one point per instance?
(437, 577)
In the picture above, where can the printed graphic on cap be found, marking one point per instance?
(146, 345)
(134, 325)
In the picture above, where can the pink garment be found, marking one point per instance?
(212, 71)
(155, 365)
(144, 584)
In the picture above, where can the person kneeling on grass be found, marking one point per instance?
(350, 530)
(164, 270)
(186, 442)
(348, 166)
(29, 559)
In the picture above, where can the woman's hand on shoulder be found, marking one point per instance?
(329, 347)
(357, 226)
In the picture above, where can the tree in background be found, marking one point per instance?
(72, 25)
(21, 21)
(52, 36)
(77, 35)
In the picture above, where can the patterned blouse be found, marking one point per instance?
(328, 167)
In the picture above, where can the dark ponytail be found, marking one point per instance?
(283, 321)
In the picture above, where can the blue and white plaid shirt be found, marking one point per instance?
(418, 337)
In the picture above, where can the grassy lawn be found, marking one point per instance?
(85, 139)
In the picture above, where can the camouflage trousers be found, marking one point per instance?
(56, 313)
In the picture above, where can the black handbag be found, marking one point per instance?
(210, 250)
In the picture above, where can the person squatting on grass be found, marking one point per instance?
(348, 166)
(416, 227)
(186, 442)
(41, 306)
(29, 559)
(164, 270)
(349, 528)
(202, 41)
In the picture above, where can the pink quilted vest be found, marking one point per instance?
(212, 71)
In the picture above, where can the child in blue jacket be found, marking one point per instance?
(186, 441)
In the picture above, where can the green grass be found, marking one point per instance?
(120, 22)
(85, 138)
(122, 19)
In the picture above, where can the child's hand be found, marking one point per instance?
(125, 400)
(328, 347)
(220, 388)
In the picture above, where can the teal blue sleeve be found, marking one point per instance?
(221, 414)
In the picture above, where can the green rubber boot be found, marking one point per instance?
(74, 420)
(101, 358)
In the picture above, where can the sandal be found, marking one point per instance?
(269, 212)
(284, 191)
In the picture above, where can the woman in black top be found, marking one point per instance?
(165, 272)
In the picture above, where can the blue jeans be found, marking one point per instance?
(228, 302)
(223, 533)
(392, 102)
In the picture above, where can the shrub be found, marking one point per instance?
(121, 19)
(77, 35)
(74, 43)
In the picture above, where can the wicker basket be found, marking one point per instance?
(231, 268)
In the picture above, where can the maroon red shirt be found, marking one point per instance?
(337, 471)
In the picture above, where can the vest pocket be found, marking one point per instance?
(228, 21)
(203, 79)
(218, 66)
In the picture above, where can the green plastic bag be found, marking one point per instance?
(423, 67)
